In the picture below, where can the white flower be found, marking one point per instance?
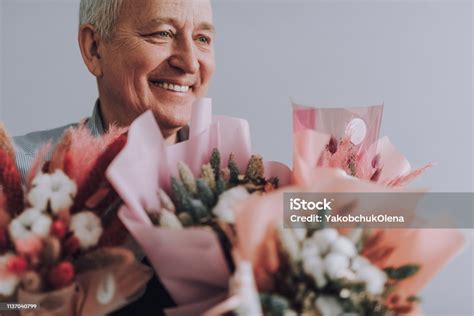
(87, 228)
(31, 222)
(324, 238)
(169, 219)
(328, 306)
(56, 188)
(314, 267)
(310, 249)
(300, 233)
(8, 281)
(373, 277)
(358, 262)
(336, 265)
(289, 242)
(227, 201)
(344, 246)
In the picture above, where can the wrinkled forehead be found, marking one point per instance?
(143, 12)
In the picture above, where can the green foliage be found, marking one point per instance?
(273, 304)
(402, 272)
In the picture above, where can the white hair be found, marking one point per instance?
(102, 14)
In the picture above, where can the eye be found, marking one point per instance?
(204, 39)
(164, 34)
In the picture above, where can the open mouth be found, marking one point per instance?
(171, 86)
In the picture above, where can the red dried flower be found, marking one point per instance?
(3, 238)
(58, 229)
(96, 177)
(61, 275)
(10, 180)
(17, 265)
(71, 245)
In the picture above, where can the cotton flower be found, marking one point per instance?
(328, 306)
(373, 277)
(290, 243)
(56, 188)
(8, 281)
(227, 201)
(358, 262)
(169, 220)
(324, 238)
(32, 222)
(87, 228)
(336, 265)
(310, 249)
(344, 246)
(314, 267)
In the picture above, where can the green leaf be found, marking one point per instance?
(402, 272)
(413, 298)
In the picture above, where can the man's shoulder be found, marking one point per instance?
(29, 143)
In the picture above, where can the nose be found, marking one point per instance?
(184, 56)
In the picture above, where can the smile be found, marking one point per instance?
(171, 87)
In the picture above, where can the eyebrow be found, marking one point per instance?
(205, 26)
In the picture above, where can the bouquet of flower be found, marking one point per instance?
(192, 185)
(327, 271)
(51, 230)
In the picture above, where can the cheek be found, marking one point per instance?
(208, 66)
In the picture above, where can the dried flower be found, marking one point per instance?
(328, 306)
(31, 282)
(87, 227)
(32, 222)
(332, 145)
(216, 163)
(344, 246)
(314, 267)
(55, 189)
(335, 265)
(324, 238)
(166, 201)
(71, 245)
(227, 201)
(8, 280)
(255, 168)
(233, 170)
(169, 220)
(51, 250)
(10, 180)
(61, 275)
(373, 277)
(58, 228)
(186, 176)
(16, 264)
(207, 175)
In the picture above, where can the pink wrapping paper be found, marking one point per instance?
(190, 262)
(313, 128)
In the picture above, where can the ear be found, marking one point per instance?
(89, 43)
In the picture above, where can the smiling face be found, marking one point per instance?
(160, 57)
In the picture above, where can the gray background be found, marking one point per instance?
(415, 56)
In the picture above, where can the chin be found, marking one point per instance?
(174, 120)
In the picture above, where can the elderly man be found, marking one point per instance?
(146, 55)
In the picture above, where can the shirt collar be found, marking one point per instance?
(94, 123)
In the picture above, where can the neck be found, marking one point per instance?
(112, 117)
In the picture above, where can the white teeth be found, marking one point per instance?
(173, 87)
